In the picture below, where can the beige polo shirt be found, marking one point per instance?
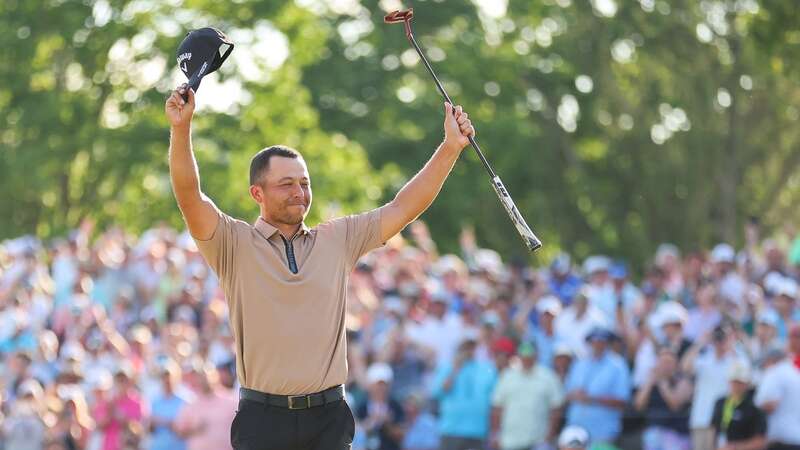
(289, 327)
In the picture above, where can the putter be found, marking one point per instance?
(531, 241)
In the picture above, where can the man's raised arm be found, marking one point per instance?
(199, 212)
(418, 194)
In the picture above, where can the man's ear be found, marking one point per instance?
(257, 193)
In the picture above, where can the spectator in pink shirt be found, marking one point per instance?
(119, 413)
(205, 423)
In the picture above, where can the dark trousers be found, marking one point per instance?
(460, 443)
(261, 427)
(779, 446)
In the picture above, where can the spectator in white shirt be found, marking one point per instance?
(778, 395)
(709, 364)
(576, 321)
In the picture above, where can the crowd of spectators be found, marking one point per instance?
(110, 341)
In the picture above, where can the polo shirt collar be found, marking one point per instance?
(268, 230)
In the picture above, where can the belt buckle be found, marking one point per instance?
(293, 397)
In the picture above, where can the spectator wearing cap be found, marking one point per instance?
(205, 421)
(738, 423)
(668, 259)
(705, 314)
(165, 408)
(598, 389)
(120, 414)
(543, 334)
(711, 355)
(785, 304)
(463, 388)
(421, 432)
(408, 362)
(599, 288)
(563, 357)
(562, 281)
(668, 322)
(664, 399)
(526, 403)
(731, 284)
(381, 415)
(765, 336)
(626, 295)
(573, 438)
(503, 349)
(24, 429)
(575, 322)
(440, 330)
(778, 394)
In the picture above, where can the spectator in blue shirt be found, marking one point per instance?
(562, 280)
(463, 389)
(165, 409)
(598, 387)
(421, 431)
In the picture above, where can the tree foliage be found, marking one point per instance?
(615, 125)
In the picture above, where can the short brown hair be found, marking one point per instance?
(260, 161)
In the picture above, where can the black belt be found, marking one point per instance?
(294, 401)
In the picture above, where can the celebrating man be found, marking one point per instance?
(285, 283)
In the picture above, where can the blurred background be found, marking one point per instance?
(652, 145)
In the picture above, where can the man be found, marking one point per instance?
(165, 409)
(731, 284)
(562, 282)
(598, 388)
(544, 335)
(285, 283)
(668, 323)
(203, 422)
(380, 415)
(440, 331)
(778, 394)
(463, 389)
(576, 321)
(525, 403)
(706, 368)
(739, 424)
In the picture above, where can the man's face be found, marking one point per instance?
(284, 191)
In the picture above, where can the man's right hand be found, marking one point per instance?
(179, 112)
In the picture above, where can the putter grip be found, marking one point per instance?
(398, 16)
(531, 241)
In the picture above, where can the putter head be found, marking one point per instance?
(399, 16)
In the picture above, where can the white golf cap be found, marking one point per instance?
(723, 253)
(740, 371)
(548, 304)
(787, 288)
(573, 437)
(379, 372)
(563, 349)
(670, 313)
(596, 263)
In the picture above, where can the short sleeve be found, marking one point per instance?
(219, 251)
(363, 233)
(557, 396)
(622, 386)
(769, 389)
(500, 394)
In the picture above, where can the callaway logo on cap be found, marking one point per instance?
(202, 52)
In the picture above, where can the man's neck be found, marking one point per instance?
(286, 230)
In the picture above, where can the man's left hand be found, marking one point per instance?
(457, 127)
